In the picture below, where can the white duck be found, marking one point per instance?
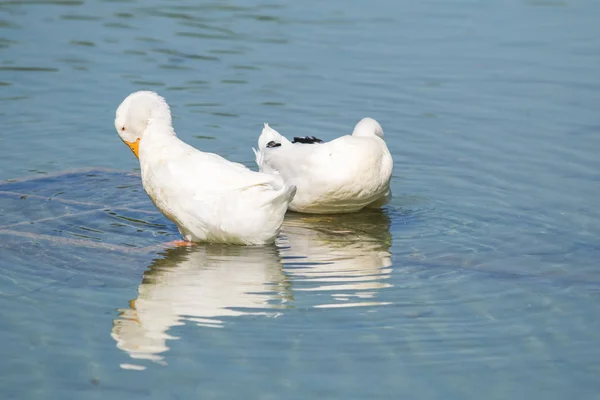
(209, 198)
(344, 175)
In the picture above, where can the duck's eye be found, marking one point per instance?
(122, 129)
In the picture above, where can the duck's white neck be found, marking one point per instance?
(158, 127)
(159, 122)
(157, 138)
(160, 114)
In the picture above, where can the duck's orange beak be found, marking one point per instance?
(134, 146)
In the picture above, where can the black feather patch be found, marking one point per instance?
(307, 140)
(273, 144)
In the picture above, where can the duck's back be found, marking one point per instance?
(343, 175)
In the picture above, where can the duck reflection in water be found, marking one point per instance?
(345, 256)
(199, 284)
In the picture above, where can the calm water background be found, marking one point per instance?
(480, 280)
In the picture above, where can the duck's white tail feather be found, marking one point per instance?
(258, 157)
(290, 192)
(269, 139)
(270, 135)
(283, 195)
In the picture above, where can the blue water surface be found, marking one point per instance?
(479, 280)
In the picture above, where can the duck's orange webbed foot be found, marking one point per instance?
(180, 243)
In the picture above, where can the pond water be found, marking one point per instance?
(479, 279)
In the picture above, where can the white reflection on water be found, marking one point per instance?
(346, 256)
(199, 284)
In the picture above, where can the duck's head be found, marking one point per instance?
(136, 112)
(368, 127)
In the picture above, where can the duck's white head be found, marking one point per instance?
(368, 127)
(136, 112)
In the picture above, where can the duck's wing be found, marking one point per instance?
(346, 167)
(311, 158)
(274, 150)
(223, 196)
(212, 174)
(216, 195)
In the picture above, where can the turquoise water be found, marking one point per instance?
(479, 280)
